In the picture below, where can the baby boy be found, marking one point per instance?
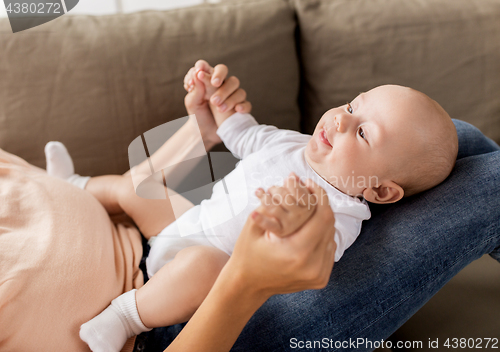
(387, 143)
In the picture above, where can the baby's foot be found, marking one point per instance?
(109, 331)
(60, 164)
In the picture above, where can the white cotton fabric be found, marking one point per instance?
(268, 156)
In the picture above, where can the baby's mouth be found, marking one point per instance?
(323, 138)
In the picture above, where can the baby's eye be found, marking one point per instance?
(349, 108)
(361, 133)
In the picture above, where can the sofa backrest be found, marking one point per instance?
(449, 50)
(97, 83)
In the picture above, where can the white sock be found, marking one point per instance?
(60, 164)
(78, 181)
(109, 331)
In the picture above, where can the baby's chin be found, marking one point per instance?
(314, 155)
(311, 147)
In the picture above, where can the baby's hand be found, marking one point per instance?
(205, 79)
(218, 74)
(200, 91)
(284, 210)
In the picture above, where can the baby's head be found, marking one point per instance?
(389, 142)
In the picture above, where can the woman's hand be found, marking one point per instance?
(227, 96)
(284, 209)
(269, 265)
(260, 267)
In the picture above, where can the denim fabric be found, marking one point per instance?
(471, 141)
(403, 256)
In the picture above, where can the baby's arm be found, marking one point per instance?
(242, 135)
(282, 208)
(229, 95)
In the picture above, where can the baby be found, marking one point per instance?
(387, 143)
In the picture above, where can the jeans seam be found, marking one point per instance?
(417, 289)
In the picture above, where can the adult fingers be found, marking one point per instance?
(204, 66)
(229, 87)
(299, 194)
(244, 108)
(320, 195)
(200, 65)
(204, 77)
(322, 221)
(328, 263)
(323, 259)
(316, 273)
(237, 97)
(317, 257)
(271, 206)
(279, 195)
(267, 223)
(219, 74)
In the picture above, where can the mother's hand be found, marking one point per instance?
(271, 265)
(260, 267)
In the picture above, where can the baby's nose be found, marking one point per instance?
(339, 123)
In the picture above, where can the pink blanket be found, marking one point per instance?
(62, 260)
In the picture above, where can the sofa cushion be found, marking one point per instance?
(446, 49)
(96, 83)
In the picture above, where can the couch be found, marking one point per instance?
(96, 83)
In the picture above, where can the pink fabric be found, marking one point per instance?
(62, 260)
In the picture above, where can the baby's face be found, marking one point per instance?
(358, 145)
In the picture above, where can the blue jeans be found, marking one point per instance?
(405, 253)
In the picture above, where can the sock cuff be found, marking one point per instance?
(78, 181)
(128, 305)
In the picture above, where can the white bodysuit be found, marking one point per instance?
(268, 156)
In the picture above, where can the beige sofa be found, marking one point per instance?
(96, 83)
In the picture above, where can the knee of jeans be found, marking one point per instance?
(471, 141)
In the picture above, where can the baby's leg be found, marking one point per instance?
(174, 293)
(170, 297)
(117, 194)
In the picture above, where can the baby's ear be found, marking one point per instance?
(387, 192)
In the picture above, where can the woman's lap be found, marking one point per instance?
(403, 256)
